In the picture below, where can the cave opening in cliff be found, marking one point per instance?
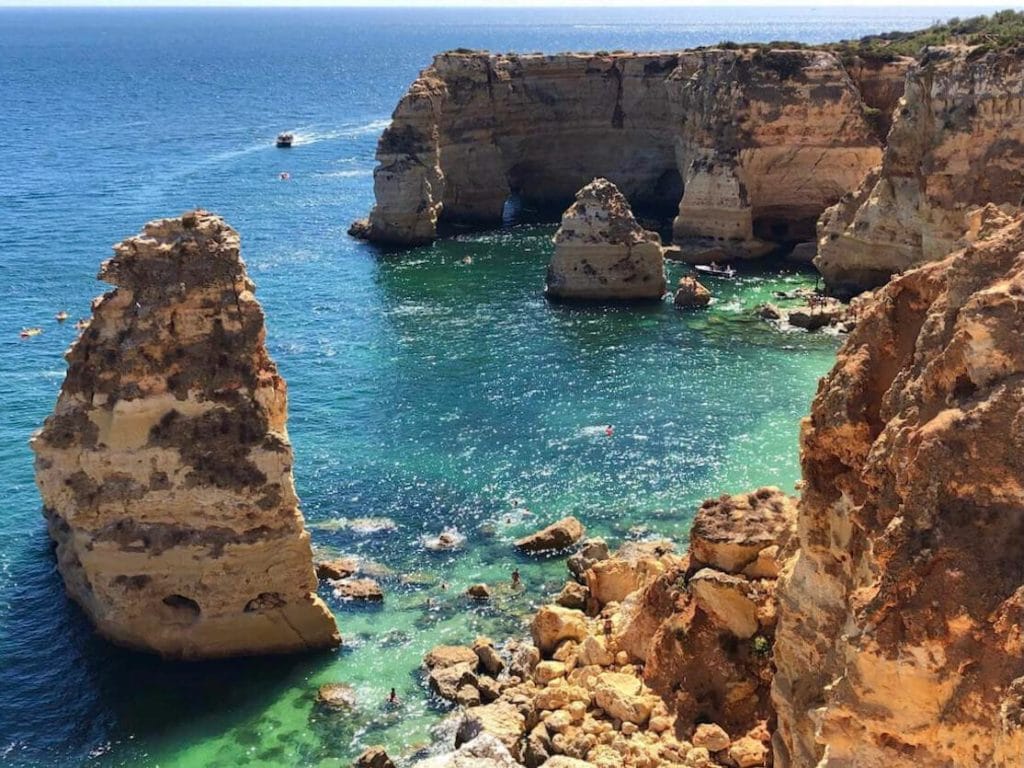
(661, 202)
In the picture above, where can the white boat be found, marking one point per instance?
(717, 271)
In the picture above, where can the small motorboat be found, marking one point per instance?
(284, 140)
(61, 316)
(28, 333)
(715, 270)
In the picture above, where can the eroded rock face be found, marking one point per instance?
(899, 639)
(165, 468)
(762, 141)
(602, 253)
(957, 143)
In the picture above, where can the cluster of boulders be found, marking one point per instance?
(347, 579)
(815, 312)
(645, 658)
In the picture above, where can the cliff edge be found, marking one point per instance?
(899, 640)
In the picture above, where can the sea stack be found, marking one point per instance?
(899, 639)
(165, 468)
(602, 253)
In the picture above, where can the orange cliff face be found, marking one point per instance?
(165, 468)
(957, 143)
(736, 144)
(899, 640)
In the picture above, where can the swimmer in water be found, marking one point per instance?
(609, 430)
(517, 582)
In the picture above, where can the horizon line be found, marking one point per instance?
(963, 5)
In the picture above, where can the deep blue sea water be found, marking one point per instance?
(423, 389)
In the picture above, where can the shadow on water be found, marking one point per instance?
(49, 644)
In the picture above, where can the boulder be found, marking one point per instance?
(729, 532)
(573, 595)
(357, 589)
(711, 736)
(468, 696)
(489, 658)
(336, 568)
(552, 624)
(337, 696)
(373, 757)
(479, 592)
(448, 655)
(727, 600)
(610, 581)
(524, 659)
(691, 294)
(594, 651)
(748, 752)
(447, 682)
(556, 537)
(590, 552)
(621, 696)
(484, 751)
(501, 720)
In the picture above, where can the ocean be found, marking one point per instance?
(425, 392)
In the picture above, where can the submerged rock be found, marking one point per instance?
(602, 252)
(165, 468)
(556, 537)
(336, 696)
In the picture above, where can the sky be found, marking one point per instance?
(981, 4)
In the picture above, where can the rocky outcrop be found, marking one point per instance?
(667, 661)
(691, 294)
(165, 467)
(602, 253)
(957, 143)
(899, 641)
(560, 535)
(738, 144)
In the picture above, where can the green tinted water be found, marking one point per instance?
(445, 392)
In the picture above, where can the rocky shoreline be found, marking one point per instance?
(645, 658)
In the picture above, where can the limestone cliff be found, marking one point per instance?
(602, 253)
(762, 140)
(165, 468)
(899, 641)
(957, 143)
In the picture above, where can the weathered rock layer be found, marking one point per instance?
(738, 143)
(957, 143)
(165, 468)
(899, 641)
(602, 253)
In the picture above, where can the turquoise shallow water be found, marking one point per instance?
(423, 390)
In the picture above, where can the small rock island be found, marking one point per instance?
(165, 468)
(602, 253)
